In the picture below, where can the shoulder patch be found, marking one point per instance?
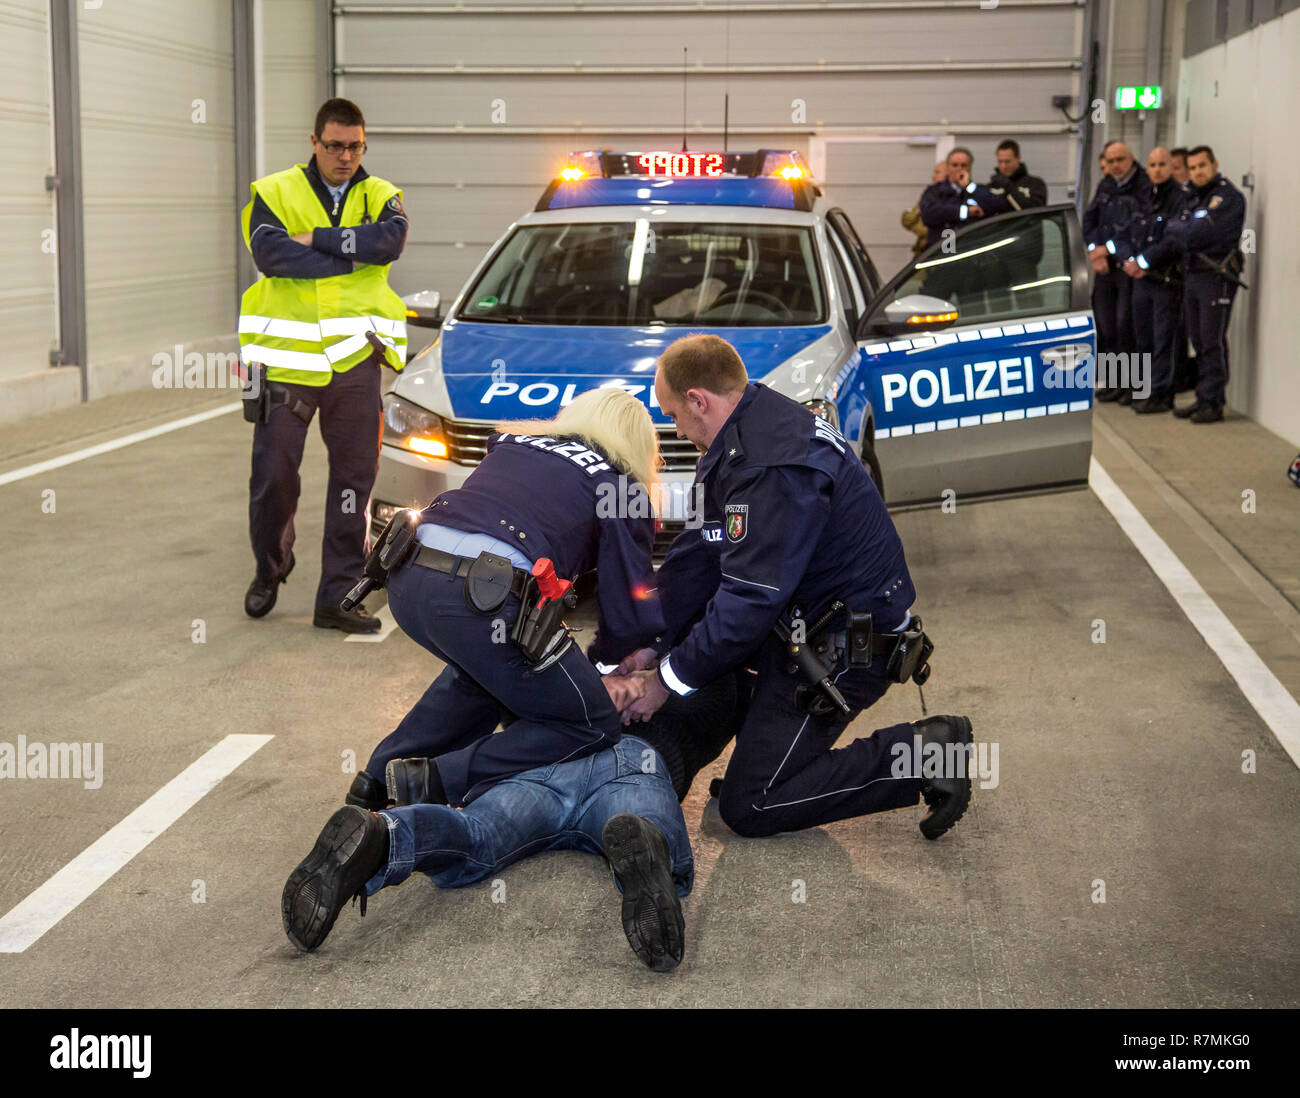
(395, 205)
(737, 521)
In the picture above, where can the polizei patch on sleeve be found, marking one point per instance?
(737, 515)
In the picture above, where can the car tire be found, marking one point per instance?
(871, 462)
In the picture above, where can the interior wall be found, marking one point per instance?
(1240, 98)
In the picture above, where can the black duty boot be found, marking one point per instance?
(1207, 413)
(1153, 405)
(367, 792)
(1125, 397)
(414, 781)
(948, 795)
(652, 913)
(1189, 411)
(351, 849)
(260, 596)
(1106, 394)
(350, 621)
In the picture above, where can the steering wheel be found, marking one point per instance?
(764, 300)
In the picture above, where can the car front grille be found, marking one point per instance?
(467, 443)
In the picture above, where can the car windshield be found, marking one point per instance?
(621, 273)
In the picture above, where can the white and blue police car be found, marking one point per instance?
(968, 371)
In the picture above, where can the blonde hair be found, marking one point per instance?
(611, 418)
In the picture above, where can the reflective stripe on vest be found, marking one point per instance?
(305, 329)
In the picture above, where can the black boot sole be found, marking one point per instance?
(320, 887)
(947, 808)
(652, 913)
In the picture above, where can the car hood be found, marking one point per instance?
(507, 371)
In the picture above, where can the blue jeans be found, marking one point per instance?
(564, 806)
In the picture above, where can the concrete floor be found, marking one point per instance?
(1118, 761)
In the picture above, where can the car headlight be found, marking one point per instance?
(411, 427)
(824, 409)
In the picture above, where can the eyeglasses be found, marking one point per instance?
(337, 148)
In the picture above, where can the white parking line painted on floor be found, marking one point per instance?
(1271, 700)
(72, 884)
(389, 623)
(115, 444)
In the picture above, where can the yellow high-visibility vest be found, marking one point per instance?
(304, 330)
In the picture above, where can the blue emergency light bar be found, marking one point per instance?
(777, 179)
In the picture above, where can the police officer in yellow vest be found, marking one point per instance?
(321, 322)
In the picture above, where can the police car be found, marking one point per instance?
(968, 371)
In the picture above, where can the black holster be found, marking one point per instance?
(539, 630)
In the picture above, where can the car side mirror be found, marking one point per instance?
(424, 308)
(917, 313)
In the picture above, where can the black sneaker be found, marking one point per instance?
(1152, 405)
(1189, 411)
(260, 596)
(351, 849)
(652, 913)
(947, 796)
(359, 620)
(1207, 413)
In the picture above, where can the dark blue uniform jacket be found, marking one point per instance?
(1209, 224)
(379, 240)
(945, 206)
(1159, 204)
(560, 497)
(1107, 217)
(790, 517)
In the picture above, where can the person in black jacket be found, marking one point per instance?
(576, 490)
(1105, 225)
(1011, 185)
(1157, 290)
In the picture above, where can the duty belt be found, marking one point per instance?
(428, 557)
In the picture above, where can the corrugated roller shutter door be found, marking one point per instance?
(29, 275)
(157, 116)
(436, 80)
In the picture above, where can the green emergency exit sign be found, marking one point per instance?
(1138, 98)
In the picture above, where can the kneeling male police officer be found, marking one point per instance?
(792, 520)
(564, 490)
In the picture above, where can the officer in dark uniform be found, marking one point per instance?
(947, 207)
(790, 519)
(574, 490)
(1105, 226)
(1209, 234)
(1184, 364)
(1157, 290)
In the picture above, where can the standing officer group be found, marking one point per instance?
(314, 331)
(1169, 265)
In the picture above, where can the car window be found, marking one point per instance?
(843, 230)
(850, 293)
(1008, 268)
(634, 273)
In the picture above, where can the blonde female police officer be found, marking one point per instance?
(576, 490)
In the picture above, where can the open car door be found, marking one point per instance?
(976, 359)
